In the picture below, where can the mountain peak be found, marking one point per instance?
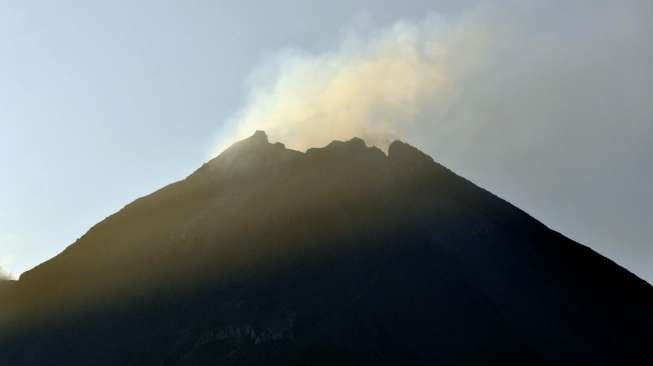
(259, 137)
(399, 150)
(268, 255)
(353, 143)
(254, 142)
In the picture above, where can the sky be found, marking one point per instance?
(546, 104)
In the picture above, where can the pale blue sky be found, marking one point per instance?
(104, 101)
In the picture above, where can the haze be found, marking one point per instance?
(545, 104)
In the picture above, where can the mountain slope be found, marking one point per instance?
(342, 254)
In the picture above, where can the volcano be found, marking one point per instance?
(338, 255)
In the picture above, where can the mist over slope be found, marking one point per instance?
(342, 254)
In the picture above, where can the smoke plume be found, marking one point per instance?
(5, 266)
(369, 87)
(4, 275)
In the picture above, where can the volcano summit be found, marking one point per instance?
(339, 255)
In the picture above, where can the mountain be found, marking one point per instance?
(339, 255)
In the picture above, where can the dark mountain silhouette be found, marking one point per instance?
(340, 255)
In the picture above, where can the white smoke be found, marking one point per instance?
(4, 274)
(372, 86)
(5, 264)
